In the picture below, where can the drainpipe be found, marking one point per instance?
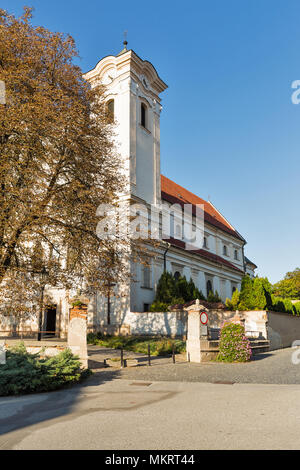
(244, 264)
(165, 254)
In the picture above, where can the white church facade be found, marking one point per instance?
(133, 89)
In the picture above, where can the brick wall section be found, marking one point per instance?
(78, 312)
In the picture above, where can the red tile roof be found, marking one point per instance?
(174, 193)
(204, 254)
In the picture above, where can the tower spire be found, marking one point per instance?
(125, 39)
(125, 42)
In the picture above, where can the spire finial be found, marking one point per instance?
(124, 44)
(125, 39)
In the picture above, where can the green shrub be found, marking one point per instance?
(284, 305)
(233, 303)
(92, 338)
(158, 346)
(246, 294)
(233, 346)
(288, 306)
(78, 303)
(159, 307)
(213, 297)
(27, 373)
(171, 291)
(256, 294)
(297, 308)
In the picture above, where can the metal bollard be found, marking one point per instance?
(149, 357)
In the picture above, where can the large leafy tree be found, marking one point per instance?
(289, 287)
(57, 161)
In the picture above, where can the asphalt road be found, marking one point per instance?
(114, 411)
(163, 415)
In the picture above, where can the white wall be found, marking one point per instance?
(158, 323)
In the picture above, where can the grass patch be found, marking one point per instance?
(139, 344)
(28, 373)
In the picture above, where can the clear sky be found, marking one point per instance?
(228, 128)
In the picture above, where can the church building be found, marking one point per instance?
(133, 90)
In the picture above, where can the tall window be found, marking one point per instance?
(143, 115)
(177, 275)
(146, 276)
(110, 108)
(225, 251)
(236, 255)
(205, 242)
(208, 287)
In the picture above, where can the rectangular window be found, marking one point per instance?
(146, 307)
(146, 281)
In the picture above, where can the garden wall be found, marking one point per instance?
(156, 323)
(175, 323)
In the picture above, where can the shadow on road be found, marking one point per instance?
(17, 412)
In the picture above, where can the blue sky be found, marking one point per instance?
(228, 128)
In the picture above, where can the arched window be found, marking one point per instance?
(236, 254)
(110, 109)
(205, 242)
(233, 289)
(224, 250)
(208, 287)
(143, 115)
(176, 275)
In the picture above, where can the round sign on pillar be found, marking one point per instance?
(203, 318)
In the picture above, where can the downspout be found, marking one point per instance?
(244, 264)
(165, 255)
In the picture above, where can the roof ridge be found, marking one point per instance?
(171, 190)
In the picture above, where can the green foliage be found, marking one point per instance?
(27, 373)
(78, 303)
(165, 291)
(233, 303)
(246, 294)
(214, 297)
(171, 291)
(158, 346)
(233, 346)
(255, 294)
(289, 287)
(159, 307)
(297, 308)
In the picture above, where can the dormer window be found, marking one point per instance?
(225, 250)
(110, 110)
(143, 115)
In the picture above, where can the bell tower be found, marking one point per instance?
(132, 90)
